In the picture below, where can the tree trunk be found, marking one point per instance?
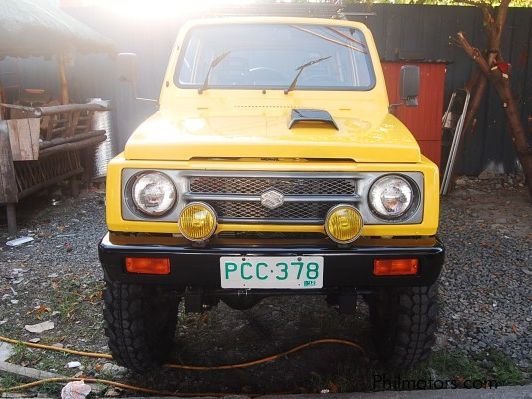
(487, 64)
(502, 86)
(519, 136)
(477, 90)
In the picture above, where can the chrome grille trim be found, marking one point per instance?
(364, 180)
(256, 198)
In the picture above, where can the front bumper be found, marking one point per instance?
(199, 268)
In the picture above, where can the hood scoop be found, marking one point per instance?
(311, 115)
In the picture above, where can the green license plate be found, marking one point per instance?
(296, 272)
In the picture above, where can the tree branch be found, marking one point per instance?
(502, 13)
(486, 8)
(473, 52)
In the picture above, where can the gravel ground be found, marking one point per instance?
(486, 283)
(485, 301)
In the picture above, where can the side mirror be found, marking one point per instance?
(409, 85)
(128, 72)
(127, 67)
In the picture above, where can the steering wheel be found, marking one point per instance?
(266, 75)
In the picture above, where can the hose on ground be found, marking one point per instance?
(251, 363)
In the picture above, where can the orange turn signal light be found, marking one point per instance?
(148, 265)
(395, 267)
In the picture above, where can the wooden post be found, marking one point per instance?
(1, 101)
(74, 186)
(8, 182)
(11, 213)
(63, 80)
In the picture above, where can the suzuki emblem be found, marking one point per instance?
(272, 199)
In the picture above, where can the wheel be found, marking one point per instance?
(140, 323)
(404, 321)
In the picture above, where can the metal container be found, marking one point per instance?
(102, 120)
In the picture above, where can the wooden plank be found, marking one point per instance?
(50, 182)
(72, 146)
(88, 125)
(48, 126)
(77, 137)
(57, 109)
(12, 129)
(59, 129)
(35, 135)
(8, 185)
(24, 138)
(73, 123)
(26, 371)
(28, 110)
(19, 114)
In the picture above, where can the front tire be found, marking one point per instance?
(140, 323)
(404, 321)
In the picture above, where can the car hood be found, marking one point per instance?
(165, 136)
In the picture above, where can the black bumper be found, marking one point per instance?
(343, 267)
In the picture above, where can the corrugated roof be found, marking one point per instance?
(36, 28)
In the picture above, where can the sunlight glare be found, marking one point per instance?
(154, 9)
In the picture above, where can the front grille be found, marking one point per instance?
(310, 197)
(309, 211)
(258, 185)
(272, 235)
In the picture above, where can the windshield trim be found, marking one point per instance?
(196, 86)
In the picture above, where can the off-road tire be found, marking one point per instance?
(404, 321)
(140, 323)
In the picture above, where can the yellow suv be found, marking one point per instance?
(272, 167)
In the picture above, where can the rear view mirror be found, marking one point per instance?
(127, 67)
(409, 85)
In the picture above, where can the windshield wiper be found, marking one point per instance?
(300, 69)
(214, 63)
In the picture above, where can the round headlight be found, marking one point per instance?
(197, 221)
(153, 193)
(343, 223)
(391, 196)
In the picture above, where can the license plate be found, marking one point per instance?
(297, 272)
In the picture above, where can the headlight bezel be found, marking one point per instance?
(135, 207)
(412, 208)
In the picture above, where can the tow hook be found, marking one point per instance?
(345, 302)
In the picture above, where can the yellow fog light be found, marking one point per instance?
(197, 221)
(343, 224)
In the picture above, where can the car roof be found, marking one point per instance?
(274, 20)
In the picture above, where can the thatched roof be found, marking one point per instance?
(36, 28)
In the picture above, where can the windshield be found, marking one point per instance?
(262, 56)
